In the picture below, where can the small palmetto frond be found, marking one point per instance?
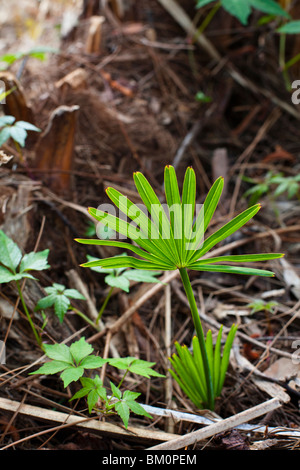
(173, 237)
(169, 238)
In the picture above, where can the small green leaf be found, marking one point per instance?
(293, 27)
(134, 365)
(92, 399)
(92, 362)
(240, 9)
(137, 408)
(52, 367)
(61, 306)
(46, 302)
(6, 275)
(117, 281)
(4, 135)
(270, 7)
(73, 294)
(59, 352)
(35, 261)
(123, 411)
(80, 349)
(27, 126)
(6, 120)
(71, 374)
(18, 134)
(10, 253)
(142, 276)
(116, 391)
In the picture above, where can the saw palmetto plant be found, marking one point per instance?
(171, 236)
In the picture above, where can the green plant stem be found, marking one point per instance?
(282, 44)
(85, 318)
(104, 305)
(123, 378)
(37, 336)
(199, 331)
(206, 21)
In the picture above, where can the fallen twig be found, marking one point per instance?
(220, 426)
(146, 434)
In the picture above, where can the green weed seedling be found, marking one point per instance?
(71, 362)
(170, 239)
(120, 278)
(243, 9)
(16, 130)
(14, 267)
(59, 297)
(274, 12)
(39, 53)
(272, 186)
(260, 305)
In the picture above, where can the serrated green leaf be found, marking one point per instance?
(6, 120)
(80, 349)
(4, 135)
(52, 367)
(61, 305)
(120, 282)
(59, 352)
(92, 362)
(81, 393)
(6, 275)
(116, 391)
(143, 370)
(46, 302)
(129, 395)
(27, 126)
(73, 294)
(270, 7)
(120, 363)
(18, 134)
(92, 399)
(140, 275)
(35, 261)
(10, 253)
(138, 409)
(240, 9)
(71, 374)
(123, 411)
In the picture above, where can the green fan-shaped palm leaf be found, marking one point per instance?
(171, 236)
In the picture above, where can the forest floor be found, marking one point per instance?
(132, 106)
